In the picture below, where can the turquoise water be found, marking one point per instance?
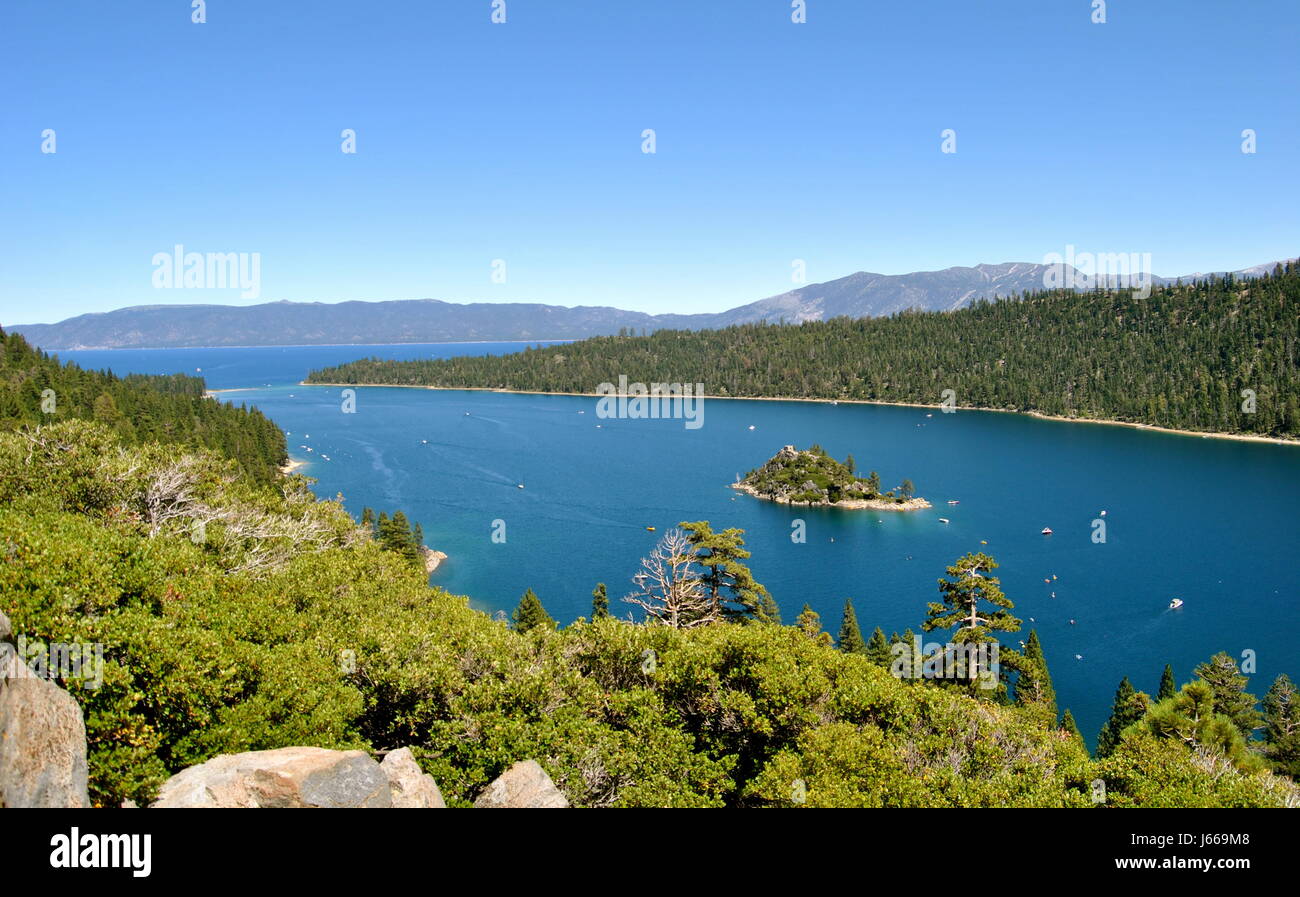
(1210, 521)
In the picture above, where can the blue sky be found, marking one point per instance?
(522, 141)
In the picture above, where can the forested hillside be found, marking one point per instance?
(36, 389)
(1221, 355)
(236, 616)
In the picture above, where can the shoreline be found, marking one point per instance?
(446, 342)
(291, 465)
(1206, 434)
(852, 504)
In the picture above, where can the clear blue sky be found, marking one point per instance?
(522, 142)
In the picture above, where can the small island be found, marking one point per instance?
(813, 477)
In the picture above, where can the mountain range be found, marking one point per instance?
(431, 320)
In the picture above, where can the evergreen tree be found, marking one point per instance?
(768, 611)
(966, 589)
(1070, 726)
(1282, 725)
(877, 649)
(1129, 707)
(599, 602)
(1230, 696)
(728, 580)
(530, 614)
(1168, 687)
(850, 637)
(1034, 684)
(810, 623)
(1190, 719)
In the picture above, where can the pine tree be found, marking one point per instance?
(1168, 687)
(810, 623)
(1034, 684)
(1129, 707)
(729, 581)
(877, 649)
(850, 638)
(530, 614)
(1230, 696)
(599, 602)
(1070, 726)
(1282, 725)
(967, 587)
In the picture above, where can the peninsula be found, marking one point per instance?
(812, 477)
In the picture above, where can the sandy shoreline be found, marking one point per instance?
(1240, 437)
(213, 393)
(292, 465)
(852, 504)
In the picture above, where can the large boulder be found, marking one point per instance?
(411, 788)
(524, 785)
(42, 738)
(288, 777)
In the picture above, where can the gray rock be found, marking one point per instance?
(288, 777)
(42, 740)
(6, 628)
(524, 785)
(411, 788)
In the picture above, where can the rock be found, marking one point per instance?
(288, 777)
(42, 739)
(411, 788)
(432, 559)
(524, 785)
(6, 629)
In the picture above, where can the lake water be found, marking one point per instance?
(1208, 520)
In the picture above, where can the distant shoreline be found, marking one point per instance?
(445, 342)
(1240, 437)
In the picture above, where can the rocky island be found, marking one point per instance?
(812, 477)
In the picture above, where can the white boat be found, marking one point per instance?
(751, 426)
(1047, 531)
(953, 501)
(1175, 604)
(521, 485)
(944, 520)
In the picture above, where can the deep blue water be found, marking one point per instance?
(1211, 521)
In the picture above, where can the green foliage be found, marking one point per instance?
(1190, 718)
(810, 623)
(530, 614)
(139, 409)
(397, 534)
(1178, 357)
(814, 477)
(850, 637)
(1034, 683)
(877, 649)
(1282, 726)
(728, 580)
(280, 621)
(1168, 687)
(1229, 688)
(1070, 727)
(599, 602)
(1129, 707)
(966, 589)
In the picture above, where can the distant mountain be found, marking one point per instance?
(430, 320)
